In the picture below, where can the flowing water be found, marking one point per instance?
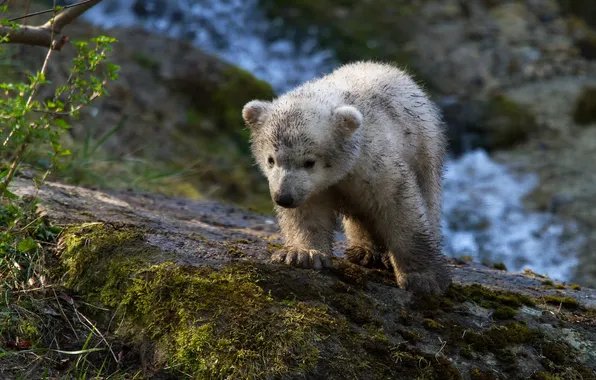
(483, 212)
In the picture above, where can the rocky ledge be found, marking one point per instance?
(194, 293)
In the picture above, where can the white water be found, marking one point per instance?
(234, 33)
(484, 217)
(483, 212)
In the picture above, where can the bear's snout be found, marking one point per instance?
(284, 200)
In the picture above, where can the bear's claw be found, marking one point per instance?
(367, 258)
(302, 258)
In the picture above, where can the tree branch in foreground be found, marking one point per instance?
(43, 35)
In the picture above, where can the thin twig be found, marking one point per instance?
(93, 328)
(443, 343)
(68, 113)
(64, 315)
(51, 10)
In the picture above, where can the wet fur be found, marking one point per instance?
(379, 147)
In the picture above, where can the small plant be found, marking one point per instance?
(26, 121)
(500, 266)
(30, 123)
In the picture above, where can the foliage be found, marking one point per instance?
(32, 123)
(28, 122)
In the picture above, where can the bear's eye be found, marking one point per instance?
(271, 161)
(309, 164)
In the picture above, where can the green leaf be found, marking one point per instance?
(10, 195)
(27, 245)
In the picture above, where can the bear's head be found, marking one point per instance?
(302, 147)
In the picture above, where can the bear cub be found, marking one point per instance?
(365, 143)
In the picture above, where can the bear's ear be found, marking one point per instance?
(253, 112)
(348, 119)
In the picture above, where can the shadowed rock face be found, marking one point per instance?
(193, 285)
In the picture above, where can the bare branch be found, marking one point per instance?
(43, 35)
(69, 15)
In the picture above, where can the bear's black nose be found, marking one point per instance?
(284, 200)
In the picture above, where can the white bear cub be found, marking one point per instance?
(364, 142)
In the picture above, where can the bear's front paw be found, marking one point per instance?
(367, 258)
(303, 258)
(427, 282)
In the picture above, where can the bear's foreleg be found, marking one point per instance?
(308, 235)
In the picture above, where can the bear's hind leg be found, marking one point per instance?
(413, 245)
(362, 249)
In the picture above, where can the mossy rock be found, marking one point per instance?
(585, 107)
(245, 318)
(508, 123)
(492, 124)
(236, 321)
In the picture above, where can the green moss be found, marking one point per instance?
(566, 372)
(555, 352)
(273, 246)
(477, 374)
(585, 108)
(236, 252)
(499, 338)
(500, 266)
(576, 287)
(504, 312)
(467, 351)
(410, 335)
(507, 122)
(427, 365)
(210, 322)
(548, 283)
(377, 334)
(444, 369)
(585, 373)
(431, 324)
(486, 297)
(217, 323)
(543, 375)
(89, 248)
(567, 302)
(560, 286)
(354, 308)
